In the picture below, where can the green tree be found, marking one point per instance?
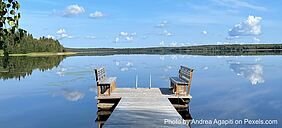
(9, 23)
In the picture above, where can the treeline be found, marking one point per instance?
(236, 47)
(209, 50)
(28, 44)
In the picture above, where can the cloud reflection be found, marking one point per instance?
(124, 65)
(69, 94)
(167, 68)
(61, 72)
(73, 95)
(93, 89)
(252, 72)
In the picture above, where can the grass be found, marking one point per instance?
(40, 54)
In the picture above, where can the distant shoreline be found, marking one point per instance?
(208, 50)
(205, 50)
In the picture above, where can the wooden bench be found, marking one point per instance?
(181, 84)
(104, 83)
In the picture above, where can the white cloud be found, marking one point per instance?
(182, 44)
(162, 24)
(126, 36)
(173, 44)
(166, 33)
(256, 39)
(116, 40)
(250, 27)
(50, 37)
(73, 10)
(123, 34)
(90, 37)
(61, 31)
(61, 34)
(162, 43)
(205, 32)
(129, 38)
(133, 34)
(96, 14)
(232, 37)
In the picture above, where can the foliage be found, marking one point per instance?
(9, 22)
(28, 44)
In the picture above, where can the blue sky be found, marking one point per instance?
(145, 23)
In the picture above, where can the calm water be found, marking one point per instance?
(59, 92)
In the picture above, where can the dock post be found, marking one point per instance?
(136, 82)
(150, 86)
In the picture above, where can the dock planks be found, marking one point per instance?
(142, 107)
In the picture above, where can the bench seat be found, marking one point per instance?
(181, 84)
(105, 85)
(178, 81)
(108, 80)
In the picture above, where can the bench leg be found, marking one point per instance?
(185, 92)
(189, 85)
(172, 85)
(109, 90)
(99, 91)
(176, 89)
(113, 86)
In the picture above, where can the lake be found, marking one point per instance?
(57, 91)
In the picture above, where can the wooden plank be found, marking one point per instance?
(142, 107)
(180, 106)
(105, 105)
(100, 113)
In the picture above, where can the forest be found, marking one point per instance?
(28, 44)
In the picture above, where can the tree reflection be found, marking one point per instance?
(21, 66)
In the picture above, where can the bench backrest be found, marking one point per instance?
(185, 73)
(100, 74)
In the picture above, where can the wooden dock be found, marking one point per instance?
(142, 107)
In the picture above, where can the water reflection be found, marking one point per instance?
(70, 94)
(93, 89)
(217, 92)
(252, 72)
(124, 65)
(61, 72)
(73, 95)
(22, 66)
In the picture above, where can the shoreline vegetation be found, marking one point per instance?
(206, 50)
(33, 54)
(29, 44)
